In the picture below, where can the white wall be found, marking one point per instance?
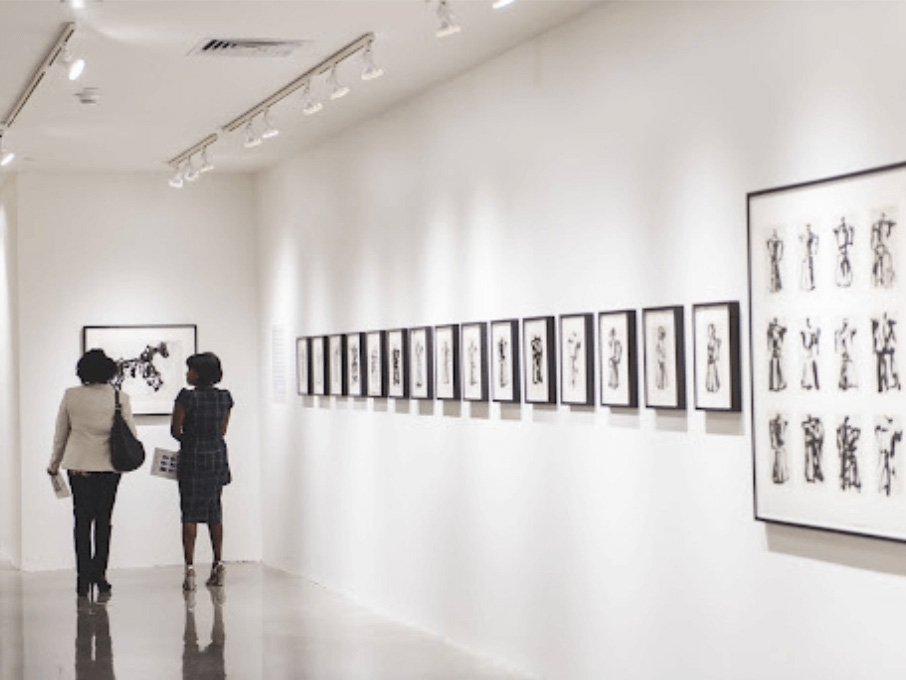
(10, 514)
(604, 165)
(127, 249)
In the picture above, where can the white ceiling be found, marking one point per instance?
(156, 100)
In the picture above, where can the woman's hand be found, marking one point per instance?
(53, 470)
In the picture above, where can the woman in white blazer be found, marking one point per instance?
(82, 446)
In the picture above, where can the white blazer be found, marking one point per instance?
(82, 438)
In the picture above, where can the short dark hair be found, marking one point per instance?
(96, 368)
(207, 367)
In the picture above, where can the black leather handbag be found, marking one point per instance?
(126, 452)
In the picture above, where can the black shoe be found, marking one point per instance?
(83, 587)
(104, 586)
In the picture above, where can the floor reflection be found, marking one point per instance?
(204, 663)
(93, 646)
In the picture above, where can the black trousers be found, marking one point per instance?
(93, 496)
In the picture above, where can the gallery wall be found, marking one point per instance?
(604, 165)
(104, 249)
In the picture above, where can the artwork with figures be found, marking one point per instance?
(336, 365)
(539, 360)
(446, 358)
(665, 357)
(319, 365)
(421, 363)
(151, 361)
(355, 365)
(827, 304)
(717, 368)
(474, 363)
(303, 366)
(397, 364)
(505, 377)
(376, 376)
(618, 358)
(577, 359)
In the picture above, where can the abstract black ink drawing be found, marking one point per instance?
(537, 345)
(503, 361)
(660, 350)
(780, 472)
(446, 354)
(712, 376)
(844, 340)
(419, 363)
(473, 362)
(887, 436)
(813, 435)
(882, 271)
(353, 363)
(396, 365)
(883, 333)
(574, 348)
(614, 357)
(845, 235)
(810, 346)
(776, 334)
(374, 365)
(809, 241)
(775, 255)
(847, 447)
(142, 367)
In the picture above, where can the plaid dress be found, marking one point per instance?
(204, 467)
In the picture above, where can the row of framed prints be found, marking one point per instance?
(495, 361)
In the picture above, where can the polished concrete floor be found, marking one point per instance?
(262, 624)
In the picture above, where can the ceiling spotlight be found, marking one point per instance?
(191, 172)
(77, 4)
(310, 105)
(269, 130)
(6, 157)
(75, 66)
(251, 139)
(336, 90)
(500, 4)
(370, 71)
(176, 180)
(448, 25)
(206, 164)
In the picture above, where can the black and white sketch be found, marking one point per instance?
(809, 240)
(848, 449)
(505, 377)
(447, 378)
(397, 364)
(780, 473)
(776, 336)
(845, 347)
(336, 365)
(474, 363)
(883, 273)
(845, 234)
(319, 365)
(577, 359)
(813, 441)
(355, 365)
(421, 363)
(539, 360)
(303, 366)
(811, 345)
(150, 361)
(665, 357)
(884, 343)
(775, 258)
(717, 362)
(375, 375)
(889, 438)
(618, 359)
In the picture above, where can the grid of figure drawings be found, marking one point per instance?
(827, 303)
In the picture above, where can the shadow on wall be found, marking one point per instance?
(732, 424)
(886, 557)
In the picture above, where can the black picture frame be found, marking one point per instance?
(577, 359)
(354, 369)
(447, 374)
(619, 362)
(303, 366)
(665, 370)
(421, 363)
(474, 363)
(397, 363)
(376, 364)
(539, 359)
(718, 374)
(336, 365)
(506, 376)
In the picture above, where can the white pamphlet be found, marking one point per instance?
(164, 463)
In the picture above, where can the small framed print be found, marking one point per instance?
(336, 365)
(717, 365)
(446, 348)
(421, 363)
(539, 360)
(376, 377)
(355, 361)
(397, 364)
(577, 359)
(303, 366)
(475, 361)
(319, 365)
(618, 358)
(505, 376)
(665, 358)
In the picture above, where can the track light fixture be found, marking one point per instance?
(370, 70)
(75, 67)
(191, 172)
(251, 139)
(448, 25)
(310, 105)
(500, 4)
(206, 164)
(269, 130)
(176, 180)
(336, 90)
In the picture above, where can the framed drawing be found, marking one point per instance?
(303, 366)
(827, 303)
(577, 359)
(336, 365)
(446, 348)
(717, 372)
(505, 364)
(618, 358)
(665, 358)
(421, 363)
(355, 365)
(376, 376)
(150, 360)
(475, 361)
(319, 365)
(539, 360)
(397, 364)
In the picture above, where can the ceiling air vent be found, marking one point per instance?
(247, 47)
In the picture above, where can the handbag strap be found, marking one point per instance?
(116, 394)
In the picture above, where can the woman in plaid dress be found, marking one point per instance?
(200, 419)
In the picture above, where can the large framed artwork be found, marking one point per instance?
(397, 365)
(355, 364)
(618, 358)
(319, 365)
(446, 350)
(577, 359)
(376, 375)
(827, 302)
(505, 376)
(475, 361)
(336, 365)
(151, 361)
(665, 358)
(717, 371)
(303, 366)
(421, 363)
(539, 360)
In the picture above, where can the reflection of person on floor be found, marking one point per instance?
(207, 663)
(93, 648)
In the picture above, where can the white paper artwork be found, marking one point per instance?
(420, 377)
(303, 367)
(664, 384)
(575, 373)
(374, 359)
(446, 342)
(505, 360)
(716, 356)
(318, 379)
(396, 364)
(540, 385)
(336, 364)
(474, 362)
(616, 342)
(354, 369)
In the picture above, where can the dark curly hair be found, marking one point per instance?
(207, 367)
(95, 368)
